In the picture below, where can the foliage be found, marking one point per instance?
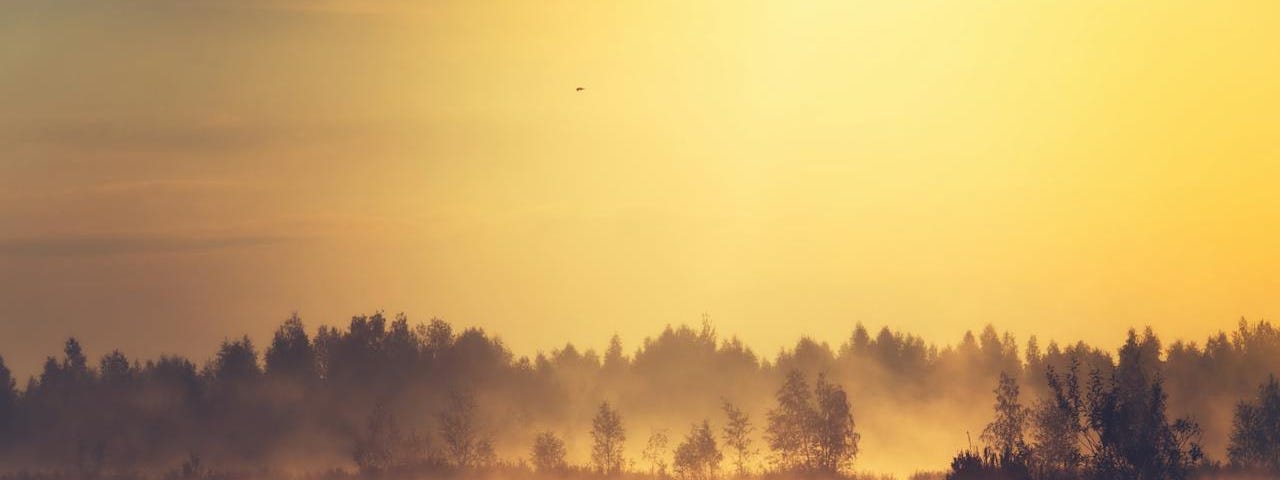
(1093, 413)
(698, 457)
(1255, 435)
(1116, 429)
(466, 446)
(811, 431)
(608, 437)
(737, 438)
(548, 453)
(1005, 434)
(655, 452)
(374, 452)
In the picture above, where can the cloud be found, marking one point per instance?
(180, 137)
(121, 136)
(97, 245)
(357, 7)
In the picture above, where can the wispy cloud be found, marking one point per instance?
(94, 245)
(127, 136)
(358, 7)
(167, 184)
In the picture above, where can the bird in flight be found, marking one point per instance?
(579, 89)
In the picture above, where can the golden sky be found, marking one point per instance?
(174, 172)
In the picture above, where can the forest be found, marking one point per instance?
(383, 397)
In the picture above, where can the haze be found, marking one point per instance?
(174, 172)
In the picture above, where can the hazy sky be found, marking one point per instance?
(174, 172)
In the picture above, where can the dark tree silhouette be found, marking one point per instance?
(375, 449)
(8, 401)
(1059, 427)
(1135, 438)
(986, 464)
(1255, 434)
(236, 362)
(1006, 455)
(75, 365)
(1006, 433)
(1120, 422)
(466, 444)
(114, 369)
(1096, 413)
(291, 355)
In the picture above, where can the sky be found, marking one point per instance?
(176, 172)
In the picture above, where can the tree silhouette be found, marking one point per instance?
(8, 401)
(836, 438)
(437, 336)
(1135, 436)
(1119, 422)
(1255, 434)
(791, 425)
(291, 354)
(236, 362)
(1006, 455)
(986, 464)
(698, 457)
(655, 452)
(1095, 413)
(374, 451)
(812, 432)
(614, 361)
(75, 366)
(1005, 433)
(737, 437)
(548, 453)
(608, 437)
(1059, 427)
(114, 369)
(466, 446)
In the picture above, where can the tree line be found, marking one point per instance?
(381, 394)
(1115, 425)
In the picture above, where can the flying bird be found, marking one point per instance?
(579, 89)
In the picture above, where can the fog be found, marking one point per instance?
(303, 401)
